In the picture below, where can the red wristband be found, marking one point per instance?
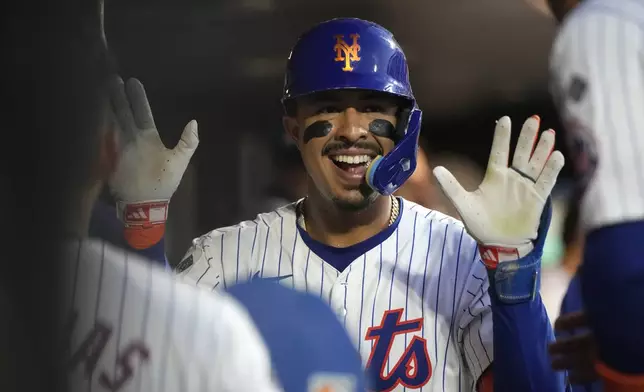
(144, 222)
(139, 237)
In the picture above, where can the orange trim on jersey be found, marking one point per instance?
(615, 381)
(139, 237)
(486, 381)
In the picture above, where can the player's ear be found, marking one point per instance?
(292, 129)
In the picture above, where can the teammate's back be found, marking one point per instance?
(597, 75)
(129, 326)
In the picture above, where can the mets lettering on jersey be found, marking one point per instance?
(413, 298)
(414, 367)
(597, 80)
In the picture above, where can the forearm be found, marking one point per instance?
(522, 333)
(520, 325)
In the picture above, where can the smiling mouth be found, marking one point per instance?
(353, 164)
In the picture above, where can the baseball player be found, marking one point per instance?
(597, 74)
(124, 324)
(128, 325)
(429, 302)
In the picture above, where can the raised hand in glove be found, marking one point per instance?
(503, 214)
(148, 173)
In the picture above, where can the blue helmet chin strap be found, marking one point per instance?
(388, 173)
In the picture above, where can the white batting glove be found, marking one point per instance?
(148, 173)
(503, 214)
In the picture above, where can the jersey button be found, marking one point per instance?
(342, 312)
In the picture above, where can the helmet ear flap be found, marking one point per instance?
(403, 122)
(386, 174)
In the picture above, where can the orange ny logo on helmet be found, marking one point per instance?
(345, 52)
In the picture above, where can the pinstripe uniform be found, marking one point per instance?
(597, 69)
(413, 298)
(129, 326)
(598, 83)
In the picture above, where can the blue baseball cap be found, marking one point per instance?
(310, 349)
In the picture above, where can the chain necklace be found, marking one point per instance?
(393, 214)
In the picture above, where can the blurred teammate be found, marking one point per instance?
(128, 325)
(125, 321)
(597, 74)
(407, 282)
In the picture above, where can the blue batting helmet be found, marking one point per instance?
(350, 53)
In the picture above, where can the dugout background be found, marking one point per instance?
(221, 62)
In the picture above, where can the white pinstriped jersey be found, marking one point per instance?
(413, 298)
(130, 326)
(597, 66)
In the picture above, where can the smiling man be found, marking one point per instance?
(430, 302)
(365, 128)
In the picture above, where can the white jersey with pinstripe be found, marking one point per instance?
(128, 325)
(413, 298)
(597, 68)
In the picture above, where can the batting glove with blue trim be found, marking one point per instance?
(503, 214)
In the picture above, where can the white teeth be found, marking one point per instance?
(352, 159)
